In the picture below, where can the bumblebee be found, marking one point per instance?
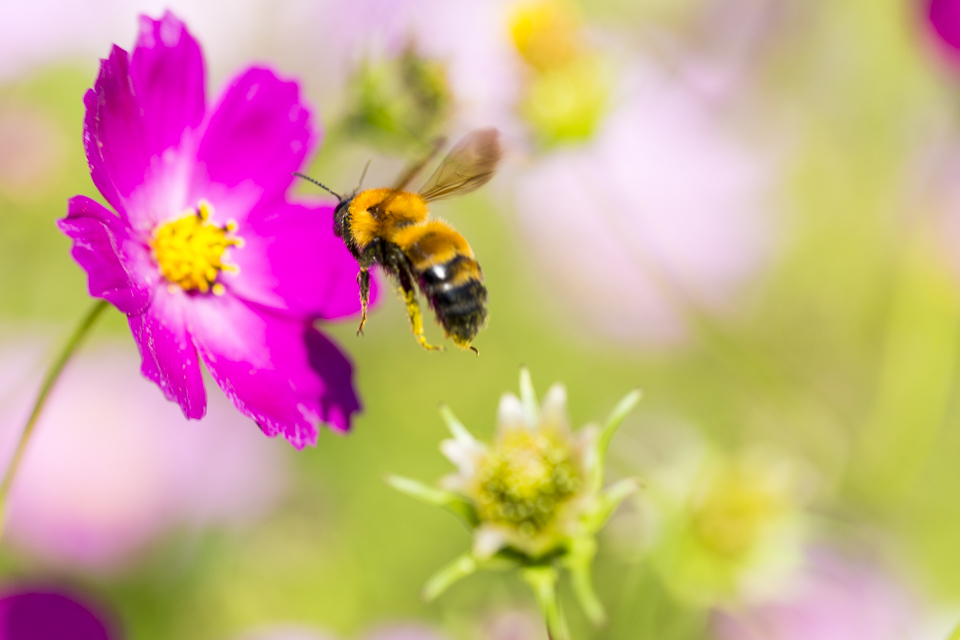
(391, 227)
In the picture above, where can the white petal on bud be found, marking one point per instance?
(510, 414)
(553, 411)
(465, 455)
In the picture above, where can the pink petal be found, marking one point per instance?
(103, 247)
(113, 132)
(281, 372)
(169, 356)
(168, 76)
(292, 261)
(256, 138)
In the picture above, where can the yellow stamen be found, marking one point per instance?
(189, 251)
(732, 513)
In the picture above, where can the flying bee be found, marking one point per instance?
(391, 227)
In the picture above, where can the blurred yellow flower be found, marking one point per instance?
(731, 526)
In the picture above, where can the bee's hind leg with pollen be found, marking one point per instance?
(409, 295)
(363, 279)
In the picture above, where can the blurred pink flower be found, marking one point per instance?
(667, 208)
(49, 614)
(50, 32)
(834, 599)
(514, 625)
(32, 152)
(395, 631)
(404, 631)
(113, 466)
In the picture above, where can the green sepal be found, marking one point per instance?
(457, 430)
(608, 501)
(460, 568)
(579, 561)
(455, 504)
(457, 570)
(602, 443)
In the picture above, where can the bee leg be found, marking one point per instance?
(416, 319)
(363, 279)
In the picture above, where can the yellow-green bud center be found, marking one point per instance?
(733, 512)
(524, 479)
(189, 250)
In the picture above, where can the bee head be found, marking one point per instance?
(341, 218)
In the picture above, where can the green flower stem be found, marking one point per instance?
(53, 374)
(543, 581)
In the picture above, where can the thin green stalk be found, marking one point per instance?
(53, 374)
(543, 581)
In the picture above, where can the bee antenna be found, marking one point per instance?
(319, 184)
(363, 174)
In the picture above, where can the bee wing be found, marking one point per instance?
(410, 173)
(468, 166)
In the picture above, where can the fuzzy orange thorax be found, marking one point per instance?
(404, 209)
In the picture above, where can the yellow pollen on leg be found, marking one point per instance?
(189, 250)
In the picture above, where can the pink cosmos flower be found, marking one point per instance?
(207, 257)
(113, 468)
(834, 599)
(29, 613)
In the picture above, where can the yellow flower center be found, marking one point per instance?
(735, 510)
(567, 93)
(189, 251)
(546, 34)
(524, 479)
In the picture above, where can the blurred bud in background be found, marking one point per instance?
(725, 527)
(45, 613)
(113, 467)
(832, 598)
(398, 102)
(451, 63)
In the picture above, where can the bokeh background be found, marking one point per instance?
(748, 208)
